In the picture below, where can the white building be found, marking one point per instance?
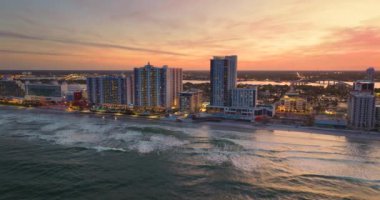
(361, 110)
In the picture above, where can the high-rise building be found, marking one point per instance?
(223, 75)
(244, 97)
(157, 87)
(190, 101)
(370, 74)
(172, 81)
(130, 90)
(109, 90)
(361, 106)
(361, 110)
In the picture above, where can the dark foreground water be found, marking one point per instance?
(66, 156)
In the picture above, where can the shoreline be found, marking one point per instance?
(225, 124)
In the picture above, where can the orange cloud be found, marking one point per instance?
(343, 49)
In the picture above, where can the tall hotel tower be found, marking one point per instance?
(157, 87)
(223, 79)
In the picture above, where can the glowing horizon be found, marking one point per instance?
(122, 34)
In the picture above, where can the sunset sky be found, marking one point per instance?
(122, 34)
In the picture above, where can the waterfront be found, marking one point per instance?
(253, 82)
(52, 155)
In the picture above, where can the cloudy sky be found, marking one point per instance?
(121, 34)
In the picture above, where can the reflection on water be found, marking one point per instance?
(145, 160)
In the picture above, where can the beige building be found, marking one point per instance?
(293, 104)
(190, 101)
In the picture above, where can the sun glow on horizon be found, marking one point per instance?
(266, 35)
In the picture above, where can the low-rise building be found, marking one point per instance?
(294, 104)
(265, 111)
(43, 92)
(244, 97)
(330, 121)
(10, 88)
(190, 101)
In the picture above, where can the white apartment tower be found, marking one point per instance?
(362, 106)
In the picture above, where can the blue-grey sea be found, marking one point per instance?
(52, 155)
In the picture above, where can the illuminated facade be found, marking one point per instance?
(294, 104)
(109, 90)
(157, 87)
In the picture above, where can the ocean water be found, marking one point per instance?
(51, 155)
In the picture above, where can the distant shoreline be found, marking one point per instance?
(227, 124)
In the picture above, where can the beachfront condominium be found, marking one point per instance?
(362, 106)
(157, 87)
(223, 75)
(116, 90)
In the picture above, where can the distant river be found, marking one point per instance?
(377, 84)
(47, 155)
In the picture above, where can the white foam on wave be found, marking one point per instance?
(157, 143)
(240, 161)
(249, 163)
(71, 137)
(217, 158)
(102, 148)
(96, 133)
(54, 126)
(107, 137)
